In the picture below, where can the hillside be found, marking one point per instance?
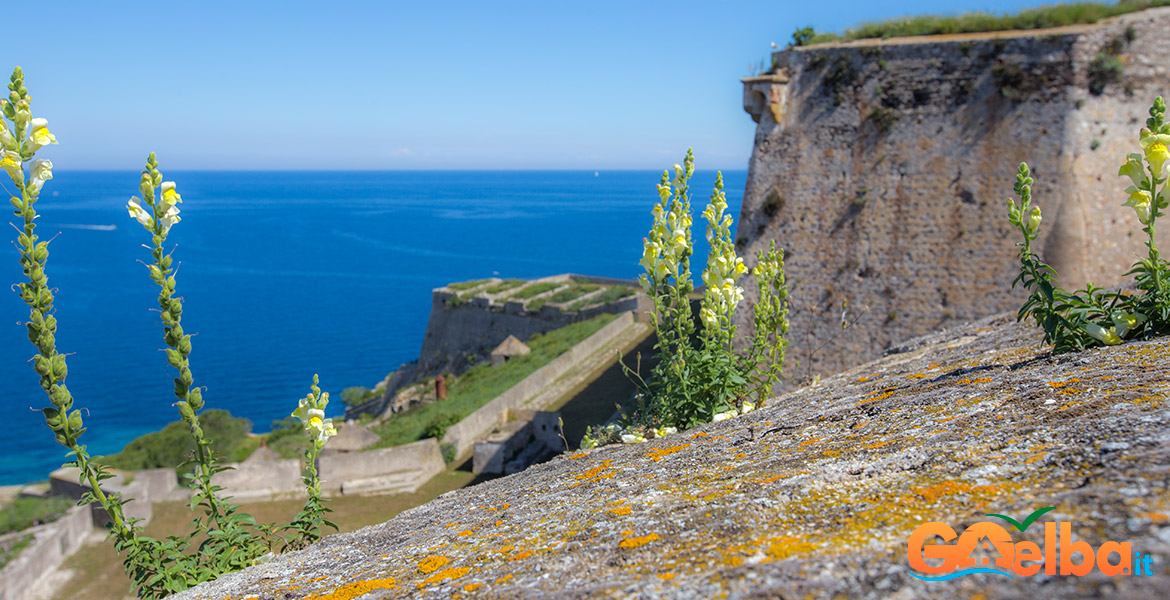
(815, 494)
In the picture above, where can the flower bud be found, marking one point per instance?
(1033, 220)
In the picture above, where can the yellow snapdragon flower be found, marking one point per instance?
(41, 170)
(6, 139)
(11, 163)
(1139, 200)
(169, 196)
(1108, 336)
(140, 214)
(1154, 145)
(39, 135)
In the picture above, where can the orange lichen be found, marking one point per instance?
(578, 455)
(666, 576)
(625, 510)
(521, 555)
(636, 542)
(1057, 384)
(784, 547)
(946, 419)
(357, 588)
(471, 587)
(504, 578)
(445, 574)
(661, 453)
(431, 564)
(916, 376)
(810, 442)
(946, 488)
(1036, 458)
(699, 435)
(628, 532)
(1155, 517)
(862, 379)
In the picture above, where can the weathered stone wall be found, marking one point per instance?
(882, 168)
(478, 424)
(389, 470)
(29, 575)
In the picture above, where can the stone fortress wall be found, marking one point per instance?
(882, 167)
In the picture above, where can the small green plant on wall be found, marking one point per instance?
(700, 377)
(224, 539)
(1093, 316)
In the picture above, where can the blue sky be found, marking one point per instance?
(409, 85)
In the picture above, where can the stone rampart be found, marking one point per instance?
(882, 168)
(465, 433)
(30, 573)
(389, 470)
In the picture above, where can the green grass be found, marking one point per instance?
(570, 293)
(504, 285)
(26, 512)
(613, 294)
(1042, 17)
(172, 445)
(535, 289)
(12, 548)
(482, 383)
(466, 285)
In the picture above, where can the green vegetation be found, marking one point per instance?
(700, 375)
(482, 383)
(535, 289)
(569, 293)
(11, 549)
(173, 445)
(26, 512)
(466, 285)
(354, 396)
(1093, 316)
(612, 294)
(1042, 17)
(287, 438)
(504, 286)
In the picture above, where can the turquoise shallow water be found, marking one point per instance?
(286, 274)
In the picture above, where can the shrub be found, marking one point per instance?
(699, 376)
(1090, 317)
(173, 446)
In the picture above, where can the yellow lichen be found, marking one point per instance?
(521, 555)
(661, 453)
(471, 587)
(431, 564)
(787, 546)
(666, 576)
(504, 578)
(625, 510)
(445, 574)
(357, 588)
(636, 542)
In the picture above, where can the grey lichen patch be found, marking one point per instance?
(814, 494)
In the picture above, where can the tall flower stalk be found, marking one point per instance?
(701, 378)
(228, 540)
(311, 519)
(1072, 321)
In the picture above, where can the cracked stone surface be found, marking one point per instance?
(813, 495)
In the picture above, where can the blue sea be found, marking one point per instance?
(287, 274)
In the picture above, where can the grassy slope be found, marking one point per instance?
(1041, 17)
(484, 382)
(97, 571)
